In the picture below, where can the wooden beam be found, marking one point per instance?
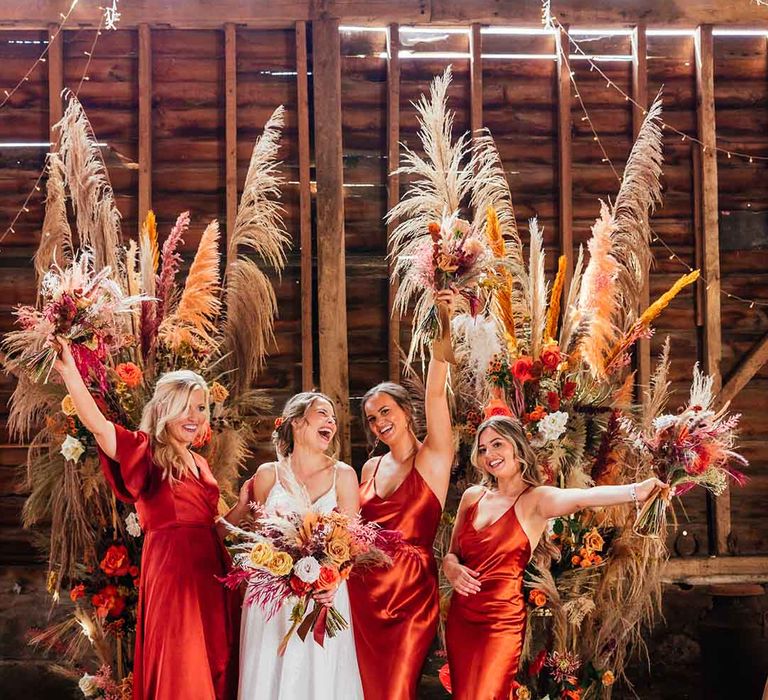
(55, 77)
(393, 185)
(230, 130)
(746, 369)
(714, 570)
(476, 78)
(305, 208)
(145, 121)
(710, 239)
(268, 13)
(331, 277)
(564, 151)
(639, 110)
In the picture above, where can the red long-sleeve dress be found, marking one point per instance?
(187, 621)
(484, 631)
(395, 609)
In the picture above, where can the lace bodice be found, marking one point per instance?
(281, 499)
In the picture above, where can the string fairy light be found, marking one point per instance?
(36, 187)
(42, 58)
(672, 255)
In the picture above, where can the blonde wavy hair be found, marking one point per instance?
(511, 431)
(169, 402)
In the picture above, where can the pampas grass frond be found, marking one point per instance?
(538, 288)
(572, 316)
(493, 233)
(30, 403)
(638, 196)
(149, 254)
(259, 223)
(553, 312)
(193, 320)
(56, 240)
(657, 394)
(171, 260)
(92, 197)
(249, 326)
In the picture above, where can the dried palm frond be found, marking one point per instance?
(572, 316)
(56, 240)
(92, 197)
(259, 224)
(597, 296)
(193, 320)
(538, 288)
(657, 394)
(248, 329)
(441, 178)
(638, 196)
(30, 403)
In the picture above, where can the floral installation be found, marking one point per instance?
(289, 557)
(554, 354)
(131, 316)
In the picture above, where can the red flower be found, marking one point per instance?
(522, 368)
(116, 561)
(444, 674)
(298, 587)
(203, 436)
(551, 357)
(130, 374)
(569, 389)
(571, 695)
(77, 592)
(108, 601)
(553, 401)
(328, 578)
(134, 571)
(434, 231)
(537, 664)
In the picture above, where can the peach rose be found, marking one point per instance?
(593, 542)
(337, 549)
(328, 579)
(129, 374)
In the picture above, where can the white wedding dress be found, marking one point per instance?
(306, 671)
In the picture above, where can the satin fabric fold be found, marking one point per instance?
(187, 621)
(485, 630)
(395, 609)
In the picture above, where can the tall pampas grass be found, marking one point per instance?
(171, 261)
(86, 176)
(537, 288)
(56, 239)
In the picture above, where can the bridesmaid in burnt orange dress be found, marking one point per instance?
(498, 525)
(395, 610)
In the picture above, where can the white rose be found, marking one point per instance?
(552, 426)
(89, 686)
(132, 525)
(72, 448)
(307, 569)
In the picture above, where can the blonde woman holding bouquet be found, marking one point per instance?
(498, 526)
(395, 609)
(305, 477)
(186, 620)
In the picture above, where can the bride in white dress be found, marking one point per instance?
(303, 478)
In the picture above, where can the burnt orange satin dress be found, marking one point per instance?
(484, 632)
(395, 610)
(188, 623)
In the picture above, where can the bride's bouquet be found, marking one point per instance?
(86, 307)
(290, 557)
(690, 448)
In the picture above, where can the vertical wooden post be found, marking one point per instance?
(476, 79)
(331, 281)
(305, 208)
(710, 239)
(393, 185)
(639, 110)
(55, 77)
(564, 152)
(230, 130)
(145, 121)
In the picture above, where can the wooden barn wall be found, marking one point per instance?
(519, 107)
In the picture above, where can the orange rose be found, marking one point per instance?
(586, 563)
(608, 679)
(571, 695)
(129, 374)
(536, 414)
(593, 541)
(551, 357)
(116, 561)
(522, 368)
(576, 560)
(434, 230)
(496, 407)
(537, 597)
(108, 601)
(328, 579)
(77, 592)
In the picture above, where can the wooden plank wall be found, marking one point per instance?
(520, 107)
